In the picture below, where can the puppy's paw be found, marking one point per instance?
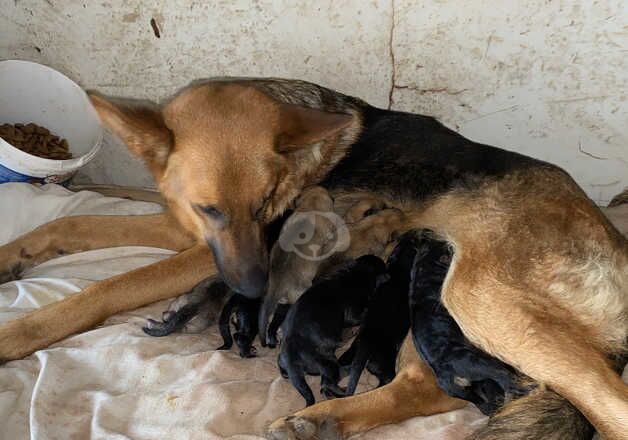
(302, 428)
(156, 328)
(248, 352)
(332, 391)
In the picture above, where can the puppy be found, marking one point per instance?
(313, 327)
(462, 370)
(367, 228)
(193, 312)
(246, 311)
(387, 320)
(291, 271)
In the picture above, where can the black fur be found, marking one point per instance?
(246, 312)
(413, 157)
(313, 327)
(462, 370)
(387, 320)
(278, 318)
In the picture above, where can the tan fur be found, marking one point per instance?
(413, 392)
(94, 304)
(539, 276)
(90, 232)
(566, 288)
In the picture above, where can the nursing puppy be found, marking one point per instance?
(193, 312)
(246, 311)
(313, 327)
(366, 228)
(462, 370)
(292, 271)
(387, 320)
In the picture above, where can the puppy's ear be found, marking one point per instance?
(302, 126)
(140, 126)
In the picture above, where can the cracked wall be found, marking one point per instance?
(543, 78)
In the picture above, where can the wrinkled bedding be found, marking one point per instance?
(115, 382)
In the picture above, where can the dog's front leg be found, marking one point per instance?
(84, 310)
(69, 235)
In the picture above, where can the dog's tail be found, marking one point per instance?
(361, 357)
(542, 414)
(224, 323)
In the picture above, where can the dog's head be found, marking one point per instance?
(229, 159)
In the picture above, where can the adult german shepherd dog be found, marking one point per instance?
(539, 278)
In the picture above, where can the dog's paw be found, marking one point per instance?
(302, 428)
(14, 273)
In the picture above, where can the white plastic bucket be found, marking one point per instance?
(31, 92)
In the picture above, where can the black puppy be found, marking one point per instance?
(462, 370)
(313, 327)
(197, 309)
(246, 314)
(387, 320)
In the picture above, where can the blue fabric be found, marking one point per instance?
(8, 175)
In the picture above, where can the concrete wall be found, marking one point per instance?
(546, 78)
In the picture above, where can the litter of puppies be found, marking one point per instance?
(36, 140)
(313, 300)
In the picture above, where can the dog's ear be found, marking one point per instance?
(140, 126)
(302, 126)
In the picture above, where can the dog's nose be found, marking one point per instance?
(253, 282)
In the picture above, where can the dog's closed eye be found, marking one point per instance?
(212, 212)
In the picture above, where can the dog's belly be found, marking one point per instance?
(537, 232)
(524, 222)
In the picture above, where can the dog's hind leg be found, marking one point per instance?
(82, 311)
(69, 235)
(413, 392)
(540, 339)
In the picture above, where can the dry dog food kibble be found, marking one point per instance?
(35, 140)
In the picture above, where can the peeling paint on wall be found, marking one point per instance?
(547, 79)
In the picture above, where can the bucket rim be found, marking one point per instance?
(28, 164)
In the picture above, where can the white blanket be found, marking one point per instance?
(115, 382)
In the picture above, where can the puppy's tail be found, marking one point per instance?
(224, 324)
(542, 414)
(360, 359)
